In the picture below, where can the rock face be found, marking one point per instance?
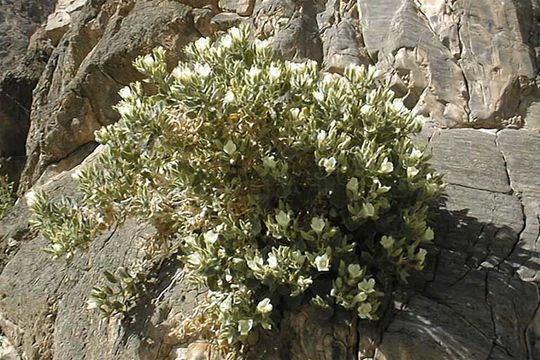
(463, 63)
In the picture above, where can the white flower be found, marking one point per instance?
(327, 78)
(211, 236)
(124, 109)
(261, 44)
(318, 224)
(272, 261)
(235, 33)
(412, 172)
(360, 297)
(354, 68)
(354, 270)
(274, 72)
(182, 73)
(283, 219)
(194, 259)
(244, 326)
(202, 44)
(57, 247)
(399, 106)
(366, 285)
(329, 165)
(295, 112)
(226, 41)
(373, 72)
(229, 148)
(295, 67)
(225, 305)
(364, 311)
(416, 154)
(368, 210)
(421, 255)
(318, 95)
(91, 304)
(322, 262)
(352, 185)
(254, 72)
(365, 109)
(387, 242)
(203, 69)
(264, 306)
(386, 167)
(304, 282)
(125, 93)
(149, 61)
(229, 97)
(321, 135)
(30, 198)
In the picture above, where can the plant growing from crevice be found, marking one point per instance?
(280, 184)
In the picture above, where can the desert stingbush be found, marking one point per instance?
(279, 184)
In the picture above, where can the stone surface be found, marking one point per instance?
(478, 298)
(93, 61)
(464, 63)
(241, 7)
(18, 21)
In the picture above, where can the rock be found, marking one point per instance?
(241, 7)
(497, 64)
(223, 21)
(59, 22)
(7, 351)
(470, 303)
(463, 63)
(93, 61)
(519, 149)
(485, 168)
(341, 38)
(423, 57)
(294, 28)
(18, 21)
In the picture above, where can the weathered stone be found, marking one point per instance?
(342, 41)
(386, 32)
(59, 22)
(520, 150)
(470, 158)
(293, 27)
(497, 64)
(462, 62)
(78, 89)
(223, 21)
(241, 7)
(18, 21)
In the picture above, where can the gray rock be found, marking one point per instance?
(470, 158)
(520, 149)
(498, 65)
(78, 89)
(463, 63)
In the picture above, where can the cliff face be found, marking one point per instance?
(462, 63)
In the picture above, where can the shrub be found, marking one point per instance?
(279, 184)
(6, 196)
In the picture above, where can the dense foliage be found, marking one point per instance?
(279, 184)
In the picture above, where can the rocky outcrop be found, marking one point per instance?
(19, 73)
(463, 63)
